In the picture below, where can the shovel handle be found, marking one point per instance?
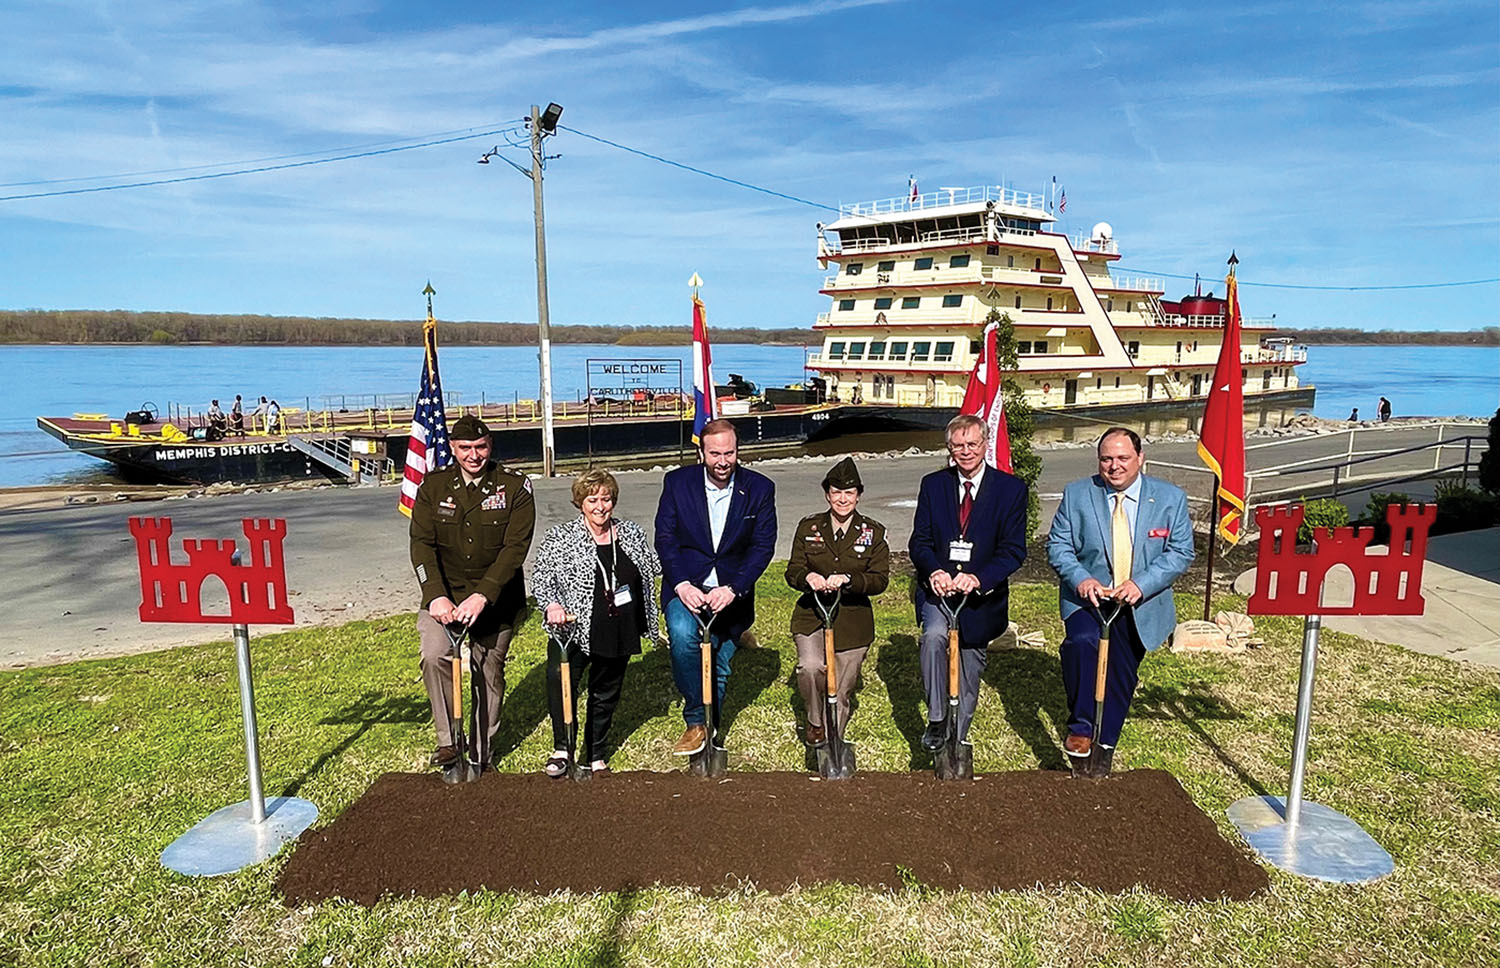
(567, 690)
(953, 662)
(456, 664)
(1101, 671)
(828, 657)
(708, 674)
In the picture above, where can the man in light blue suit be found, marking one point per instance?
(1123, 536)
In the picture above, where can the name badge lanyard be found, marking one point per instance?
(613, 593)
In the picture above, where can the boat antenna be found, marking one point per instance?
(1197, 285)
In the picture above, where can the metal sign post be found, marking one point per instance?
(252, 830)
(1296, 834)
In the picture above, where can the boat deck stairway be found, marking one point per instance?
(336, 453)
(1153, 303)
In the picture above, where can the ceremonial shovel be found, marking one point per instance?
(954, 760)
(835, 757)
(560, 641)
(1101, 674)
(462, 770)
(713, 759)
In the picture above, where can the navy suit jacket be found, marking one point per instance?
(685, 543)
(997, 527)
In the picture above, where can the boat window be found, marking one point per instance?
(845, 305)
(854, 268)
(973, 347)
(1018, 300)
(887, 266)
(1129, 307)
(950, 301)
(877, 349)
(923, 263)
(919, 351)
(1049, 303)
(1039, 264)
(1134, 347)
(836, 349)
(1040, 346)
(1010, 261)
(911, 302)
(882, 302)
(1098, 385)
(992, 250)
(898, 350)
(1117, 386)
(856, 351)
(958, 261)
(944, 352)
(1023, 346)
(1109, 305)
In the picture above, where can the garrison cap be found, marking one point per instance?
(843, 475)
(468, 427)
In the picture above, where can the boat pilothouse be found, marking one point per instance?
(916, 276)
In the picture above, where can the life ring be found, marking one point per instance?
(1046, 388)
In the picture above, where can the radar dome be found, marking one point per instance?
(1103, 231)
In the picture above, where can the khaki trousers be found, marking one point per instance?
(812, 680)
(437, 674)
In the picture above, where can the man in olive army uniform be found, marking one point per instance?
(470, 529)
(837, 549)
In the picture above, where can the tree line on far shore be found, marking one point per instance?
(120, 326)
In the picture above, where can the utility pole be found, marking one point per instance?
(543, 323)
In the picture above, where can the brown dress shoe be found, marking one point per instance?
(1077, 745)
(694, 738)
(816, 736)
(444, 756)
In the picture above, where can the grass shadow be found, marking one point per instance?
(608, 951)
(751, 673)
(524, 707)
(648, 692)
(900, 668)
(1029, 682)
(370, 709)
(1192, 709)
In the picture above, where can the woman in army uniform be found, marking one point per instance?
(837, 549)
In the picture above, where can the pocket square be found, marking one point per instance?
(1158, 533)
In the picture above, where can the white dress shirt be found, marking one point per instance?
(718, 514)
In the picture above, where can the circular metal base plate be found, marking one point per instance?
(226, 841)
(1325, 844)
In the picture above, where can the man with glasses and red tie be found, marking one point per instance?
(1122, 537)
(968, 537)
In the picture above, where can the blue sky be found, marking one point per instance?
(1343, 144)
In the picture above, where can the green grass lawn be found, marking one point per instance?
(104, 763)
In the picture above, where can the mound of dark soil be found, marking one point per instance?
(411, 834)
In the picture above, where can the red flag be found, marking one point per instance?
(705, 403)
(1221, 442)
(983, 398)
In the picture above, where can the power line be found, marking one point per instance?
(697, 171)
(226, 164)
(1287, 285)
(252, 171)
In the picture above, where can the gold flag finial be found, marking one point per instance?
(695, 283)
(429, 292)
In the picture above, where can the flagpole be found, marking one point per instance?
(1213, 544)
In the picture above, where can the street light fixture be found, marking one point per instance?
(540, 124)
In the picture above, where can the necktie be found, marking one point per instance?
(1120, 539)
(966, 506)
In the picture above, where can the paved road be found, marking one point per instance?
(71, 586)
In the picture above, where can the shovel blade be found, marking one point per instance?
(460, 772)
(836, 763)
(711, 761)
(954, 761)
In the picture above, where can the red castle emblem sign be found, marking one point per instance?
(173, 592)
(1289, 582)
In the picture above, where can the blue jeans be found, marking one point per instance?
(687, 664)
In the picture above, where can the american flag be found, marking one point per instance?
(1062, 202)
(427, 449)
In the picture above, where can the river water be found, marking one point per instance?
(61, 380)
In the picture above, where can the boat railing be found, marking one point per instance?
(1137, 283)
(1082, 243)
(1285, 354)
(954, 235)
(1017, 231)
(943, 198)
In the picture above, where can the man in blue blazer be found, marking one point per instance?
(1124, 536)
(715, 535)
(968, 536)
